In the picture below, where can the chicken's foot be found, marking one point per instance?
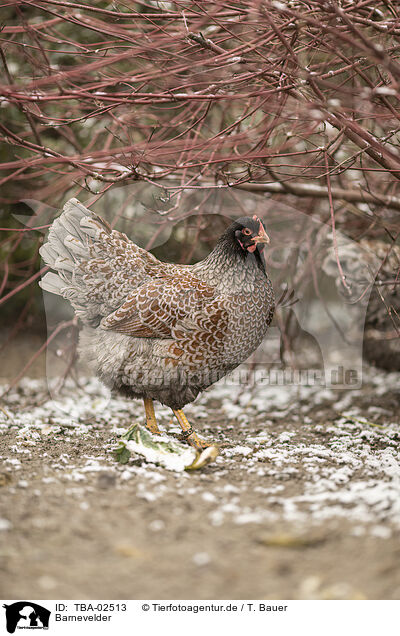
(189, 434)
(151, 421)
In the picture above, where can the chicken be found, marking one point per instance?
(154, 330)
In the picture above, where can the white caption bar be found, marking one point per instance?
(194, 617)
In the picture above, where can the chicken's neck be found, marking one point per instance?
(230, 267)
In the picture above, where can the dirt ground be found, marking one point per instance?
(302, 502)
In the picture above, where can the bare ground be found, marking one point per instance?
(303, 501)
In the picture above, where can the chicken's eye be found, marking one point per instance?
(246, 231)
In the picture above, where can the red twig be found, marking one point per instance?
(22, 286)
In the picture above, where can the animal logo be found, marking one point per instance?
(26, 615)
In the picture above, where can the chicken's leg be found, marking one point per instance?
(189, 435)
(151, 421)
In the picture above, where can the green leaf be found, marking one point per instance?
(122, 454)
(160, 449)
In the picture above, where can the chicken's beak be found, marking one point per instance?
(262, 236)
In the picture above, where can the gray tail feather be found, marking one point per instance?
(71, 241)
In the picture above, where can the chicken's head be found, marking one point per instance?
(251, 233)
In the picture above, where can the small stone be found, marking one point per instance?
(382, 532)
(128, 550)
(47, 582)
(286, 540)
(201, 558)
(5, 479)
(106, 480)
(5, 524)
(309, 587)
(156, 525)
